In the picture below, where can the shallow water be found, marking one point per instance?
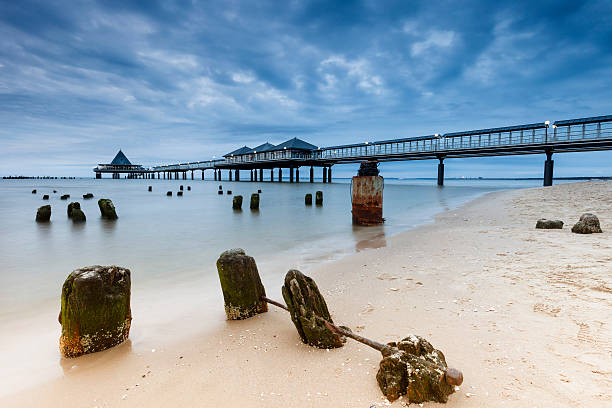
(171, 245)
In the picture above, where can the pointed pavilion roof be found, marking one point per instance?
(237, 152)
(121, 160)
(296, 144)
(266, 147)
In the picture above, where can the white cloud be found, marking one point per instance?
(433, 39)
(357, 70)
(242, 78)
(159, 57)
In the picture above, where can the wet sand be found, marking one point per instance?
(524, 313)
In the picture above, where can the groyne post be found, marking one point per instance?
(548, 169)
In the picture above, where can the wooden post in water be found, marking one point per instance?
(367, 195)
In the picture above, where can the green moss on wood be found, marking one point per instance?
(241, 285)
(107, 209)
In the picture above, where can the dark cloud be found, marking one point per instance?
(187, 80)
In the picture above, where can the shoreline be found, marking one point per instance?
(456, 305)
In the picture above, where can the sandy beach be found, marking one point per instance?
(524, 313)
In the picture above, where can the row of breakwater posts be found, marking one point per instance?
(96, 314)
(76, 214)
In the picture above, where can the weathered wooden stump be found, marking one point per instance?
(65, 197)
(543, 223)
(220, 192)
(107, 209)
(179, 193)
(88, 196)
(43, 214)
(34, 191)
(237, 202)
(181, 188)
(255, 201)
(241, 285)
(72, 206)
(220, 187)
(169, 194)
(319, 198)
(308, 311)
(259, 191)
(78, 215)
(188, 188)
(46, 197)
(150, 188)
(588, 224)
(95, 312)
(413, 367)
(229, 192)
(308, 199)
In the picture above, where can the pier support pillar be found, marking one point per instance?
(367, 195)
(202, 174)
(297, 174)
(237, 174)
(291, 174)
(255, 175)
(271, 174)
(548, 169)
(329, 177)
(192, 174)
(215, 171)
(260, 174)
(324, 174)
(441, 171)
(98, 175)
(230, 175)
(251, 174)
(280, 175)
(311, 174)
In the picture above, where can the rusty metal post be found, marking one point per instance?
(367, 195)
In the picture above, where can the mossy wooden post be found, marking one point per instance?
(319, 198)
(43, 214)
(241, 285)
(71, 207)
(255, 201)
(308, 311)
(95, 312)
(308, 199)
(78, 215)
(237, 202)
(107, 209)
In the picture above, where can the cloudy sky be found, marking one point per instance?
(174, 81)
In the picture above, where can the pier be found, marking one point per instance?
(266, 162)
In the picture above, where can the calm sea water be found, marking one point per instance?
(171, 245)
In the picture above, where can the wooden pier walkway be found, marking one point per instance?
(575, 135)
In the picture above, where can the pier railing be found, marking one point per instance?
(522, 139)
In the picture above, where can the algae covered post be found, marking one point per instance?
(367, 195)
(241, 285)
(107, 209)
(95, 309)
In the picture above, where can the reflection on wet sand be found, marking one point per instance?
(71, 366)
(373, 239)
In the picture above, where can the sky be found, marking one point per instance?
(177, 81)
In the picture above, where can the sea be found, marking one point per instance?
(171, 245)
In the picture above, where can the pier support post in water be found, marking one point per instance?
(311, 174)
(215, 171)
(271, 174)
(367, 195)
(251, 174)
(254, 175)
(202, 174)
(548, 169)
(329, 177)
(297, 174)
(324, 174)
(441, 171)
(237, 174)
(241, 285)
(260, 174)
(95, 309)
(291, 174)
(192, 174)
(230, 175)
(280, 175)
